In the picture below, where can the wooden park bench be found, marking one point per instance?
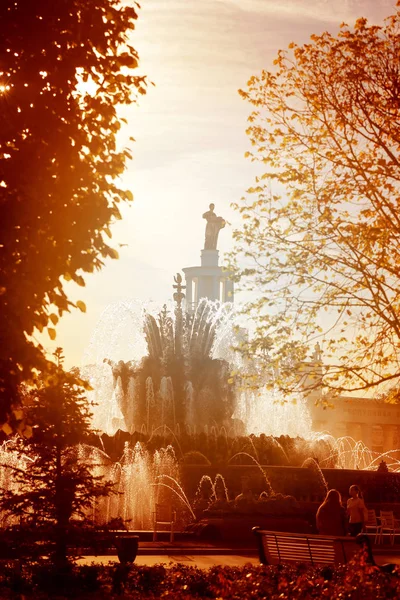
(276, 547)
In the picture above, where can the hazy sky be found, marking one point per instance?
(190, 136)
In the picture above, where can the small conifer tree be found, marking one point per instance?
(57, 484)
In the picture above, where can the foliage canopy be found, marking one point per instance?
(321, 227)
(65, 66)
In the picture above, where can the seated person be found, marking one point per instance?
(331, 516)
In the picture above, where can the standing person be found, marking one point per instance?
(331, 515)
(356, 511)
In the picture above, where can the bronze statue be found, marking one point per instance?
(214, 224)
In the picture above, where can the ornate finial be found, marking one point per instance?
(178, 295)
(214, 224)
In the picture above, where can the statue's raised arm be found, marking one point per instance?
(214, 224)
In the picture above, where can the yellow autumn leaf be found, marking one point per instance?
(7, 429)
(28, 432)
(113, 253)
(52, 333)
(81, 305)
(53, 318)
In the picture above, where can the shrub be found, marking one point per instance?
(356, 581)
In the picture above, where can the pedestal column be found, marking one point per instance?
(216, 288)
(189, 299)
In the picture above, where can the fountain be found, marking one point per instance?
(141, 479)
(150, 367)
(174, 416)
(171, 413)
(179, 377)
(177, 388)
(184, 379)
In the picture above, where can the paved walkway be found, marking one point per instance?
(205, 556)
(203, 561)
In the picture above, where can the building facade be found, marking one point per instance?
(374, 422)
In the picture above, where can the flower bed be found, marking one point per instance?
(357, 580)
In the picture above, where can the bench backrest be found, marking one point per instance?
(277, 546)
(164, 514)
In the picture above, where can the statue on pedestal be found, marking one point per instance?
(214, 224)
(317, 354)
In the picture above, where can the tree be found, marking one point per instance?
(65, 67)
(57, 484)
(321, 227)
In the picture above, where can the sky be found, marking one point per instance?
(190, 138)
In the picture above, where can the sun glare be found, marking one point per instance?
(85, 87)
